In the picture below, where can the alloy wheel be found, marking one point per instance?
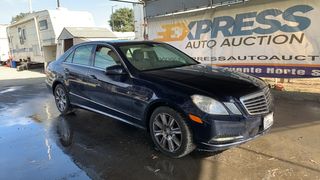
(167, 132)
(61, 99)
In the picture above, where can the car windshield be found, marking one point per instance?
(154, 56)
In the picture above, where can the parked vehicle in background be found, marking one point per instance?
(34, 38)
(4, 44)
(155, 86)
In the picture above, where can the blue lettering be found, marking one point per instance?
(275, 25)
(216, 26)
(203, 26)
(303, 22)
(240, 23)
(190, 26)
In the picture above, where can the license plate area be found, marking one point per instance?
(268, 121)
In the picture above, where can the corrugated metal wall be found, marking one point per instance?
(161, 7)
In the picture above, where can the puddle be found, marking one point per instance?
(10, 89)
(28, 142)
(37, 143)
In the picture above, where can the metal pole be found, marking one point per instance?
(58, 3)
(112, 21)
(30, 6)
(112, 18)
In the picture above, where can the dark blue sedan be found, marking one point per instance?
(183, 104)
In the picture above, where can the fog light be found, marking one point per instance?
(225, 139)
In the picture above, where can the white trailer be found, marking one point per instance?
(34, 38)
(4, 44)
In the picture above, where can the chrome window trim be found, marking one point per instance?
(92, 61)
(86, 66)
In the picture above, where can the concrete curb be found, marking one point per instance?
(298, 96)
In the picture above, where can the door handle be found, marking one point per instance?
(94, 80)
(93, 76)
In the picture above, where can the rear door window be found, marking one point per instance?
(82, 55)
(69, 58)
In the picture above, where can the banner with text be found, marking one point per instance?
(275, 39)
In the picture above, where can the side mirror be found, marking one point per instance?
(115, 70)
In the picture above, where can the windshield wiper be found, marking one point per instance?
(170, 67)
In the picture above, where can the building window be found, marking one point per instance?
(43, 25)
(22, 35)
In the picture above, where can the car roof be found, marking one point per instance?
(118, 42)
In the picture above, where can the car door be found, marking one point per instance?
(76, 69)
(111, 92)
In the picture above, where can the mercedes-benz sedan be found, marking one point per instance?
(182, 104)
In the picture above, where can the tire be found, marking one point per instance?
(62, 99)
(170, 132)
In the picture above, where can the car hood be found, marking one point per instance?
(214, 81)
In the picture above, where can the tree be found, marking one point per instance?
(18, 17)
(122, 20)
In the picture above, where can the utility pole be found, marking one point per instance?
(112, 21)
(58, 3)
(30, 6)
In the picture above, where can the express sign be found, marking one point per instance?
(262, 40)
(265, 22)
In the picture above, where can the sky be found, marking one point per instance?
(100, 9)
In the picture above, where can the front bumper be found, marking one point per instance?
(203, 146)
(220, 133)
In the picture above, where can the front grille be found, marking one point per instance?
(257, 103)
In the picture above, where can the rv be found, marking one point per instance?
(34, 38)
(4, 44)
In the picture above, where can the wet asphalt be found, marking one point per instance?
(36, 142)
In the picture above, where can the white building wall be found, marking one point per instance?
(4, 44)
(64, 18)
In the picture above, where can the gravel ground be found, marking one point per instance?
(309, 85)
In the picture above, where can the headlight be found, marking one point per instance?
(209, 105)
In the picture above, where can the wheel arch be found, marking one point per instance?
(159, 103)
(55, 83)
